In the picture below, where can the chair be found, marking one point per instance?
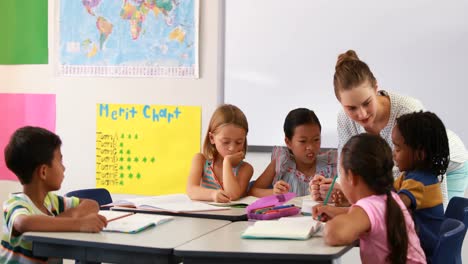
(448, 248)
(458, 209)
(100, 195)
(252, 182)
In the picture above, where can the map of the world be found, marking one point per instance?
(129, 38)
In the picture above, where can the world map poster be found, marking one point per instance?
(128, 38)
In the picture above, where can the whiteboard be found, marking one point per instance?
(280, 55)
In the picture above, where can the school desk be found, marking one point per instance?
(230, 214)
(226, 246)
(154, 245)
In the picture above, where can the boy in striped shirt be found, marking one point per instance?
(34, 155)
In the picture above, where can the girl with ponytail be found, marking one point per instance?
(377, 216)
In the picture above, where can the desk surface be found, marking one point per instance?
(226, 245)
(146, 246)
(230, 214)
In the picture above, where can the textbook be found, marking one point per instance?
(131, 223)
(242, 202)
(175, 203)
(297, 228)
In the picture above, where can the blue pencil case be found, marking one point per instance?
(272, 207)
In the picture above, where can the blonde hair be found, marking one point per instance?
(224, 115)
(351, 72)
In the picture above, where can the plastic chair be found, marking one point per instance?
(252, 182)
(100, 195)
(458, 209)
(448, 248)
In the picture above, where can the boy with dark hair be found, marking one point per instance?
(34, 155)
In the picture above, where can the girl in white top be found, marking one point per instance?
(367, 110)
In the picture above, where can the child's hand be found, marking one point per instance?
(221, 196)
(317, 185)
(281, 187)
(339, 198)
(235, 158)
(92, 223)
(326, 212)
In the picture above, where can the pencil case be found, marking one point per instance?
(272, 207)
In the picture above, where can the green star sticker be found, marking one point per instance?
(128, 152)
(121, 183)
(136, 159)
(121, 168)
(138, 176)
(122, 136)
(121, 175)
(152, 160)
(129, 167)
(144, 159)
(121, 151)
(121, 144)
(129, 136)
(136, 136)
(121, 158)
(130, 176)
(129, 159)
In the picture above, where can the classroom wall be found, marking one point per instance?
(77, 97)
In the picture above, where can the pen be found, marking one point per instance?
(329, 192)
(279, 210)
(282, 206)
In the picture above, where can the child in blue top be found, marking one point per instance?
(219, 174)
(292, 167)
(421, 152)
(34, 155)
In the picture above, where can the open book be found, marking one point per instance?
(299, 228)
(131, 223)
(176, 203)
(242, 202)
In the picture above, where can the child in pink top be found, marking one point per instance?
(377, 217)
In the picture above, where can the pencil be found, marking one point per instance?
(330, 190)
(329, 193)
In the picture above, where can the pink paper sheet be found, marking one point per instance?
(18, 110)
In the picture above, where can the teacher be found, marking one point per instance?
(365, 109)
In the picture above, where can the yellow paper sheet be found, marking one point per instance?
(145, 149)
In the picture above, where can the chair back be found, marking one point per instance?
(100, 195)
(458, 209)
(448, 248)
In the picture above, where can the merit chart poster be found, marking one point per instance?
(129, 38)
(145, 149)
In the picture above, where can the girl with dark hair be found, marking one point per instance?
(292, 167)
(377, 217)
(421, 152)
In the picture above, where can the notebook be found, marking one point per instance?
(131, 223)
(242, 202)
(307, 205)
(297, 228)
(176, 203)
